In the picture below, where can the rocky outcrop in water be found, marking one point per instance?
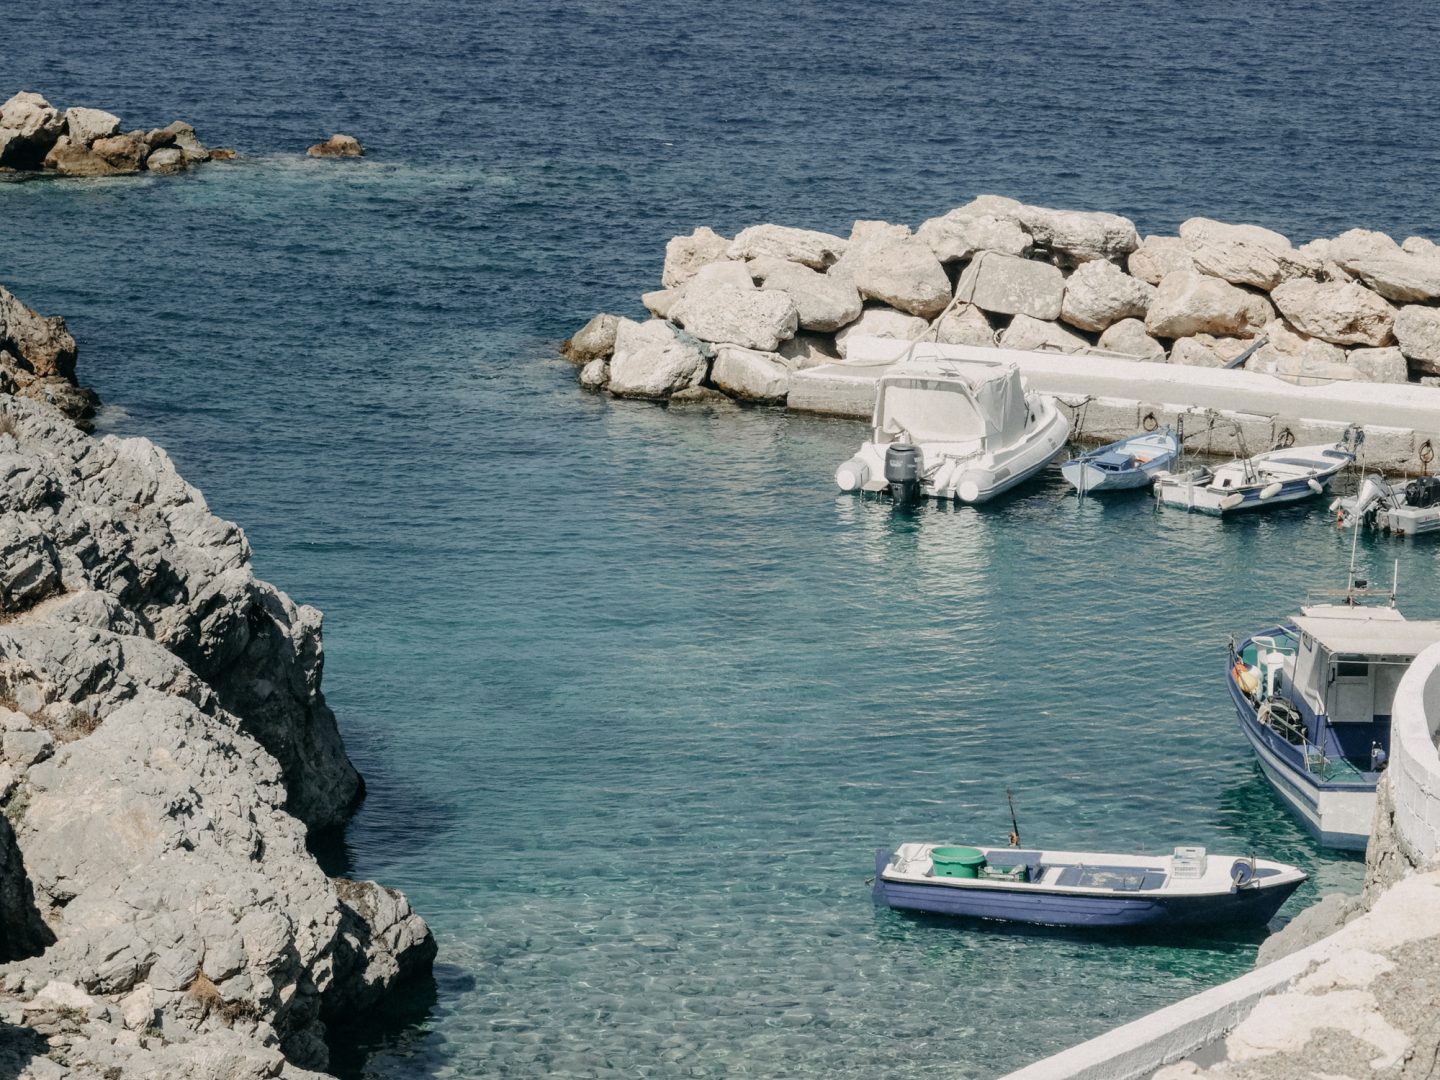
(1358, 307)
(37, 360)
(37, 137)
(165, 754)
(337, 146)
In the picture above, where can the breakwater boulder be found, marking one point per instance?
(36, 137)
(166, 758)
(337, 146)
(1356, 307)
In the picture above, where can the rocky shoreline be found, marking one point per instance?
(166, 754)
(38, 138)
(739, 316)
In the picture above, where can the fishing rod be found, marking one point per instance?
(1014, 825)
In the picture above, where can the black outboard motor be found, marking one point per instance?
(902, 473)
(1420, 493)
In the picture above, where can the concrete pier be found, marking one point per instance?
(1222, 411)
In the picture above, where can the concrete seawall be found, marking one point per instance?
(1222, 411)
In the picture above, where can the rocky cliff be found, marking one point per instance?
(165, 753)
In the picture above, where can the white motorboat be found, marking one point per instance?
(954, 429)
(1266, 480)
(1411, 509)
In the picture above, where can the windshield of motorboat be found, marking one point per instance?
(952, 410)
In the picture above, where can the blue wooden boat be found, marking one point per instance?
(1089, 889)
(1125, 465)
(1314, 696)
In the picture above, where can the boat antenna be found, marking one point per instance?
(1394, 582)
(1014, 825)
(1350, 582)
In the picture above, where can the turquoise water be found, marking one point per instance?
(637, 694)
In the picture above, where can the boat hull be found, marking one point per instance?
(1208, 500)
(1090, 480)
(1253, 906)
(1337, 815)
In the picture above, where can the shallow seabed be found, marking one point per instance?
(636, 692)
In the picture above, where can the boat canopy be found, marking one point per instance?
(952, 402)
(1351, 659)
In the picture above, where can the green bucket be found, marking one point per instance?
(957, 861)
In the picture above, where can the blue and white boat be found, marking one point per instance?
(1080, 888)
(1124, 465)
(1313, 697)
(1266, 480)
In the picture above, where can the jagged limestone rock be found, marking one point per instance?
(1417, 329)
(1244, 254)
(1027, 333)
(1007, 285)
(1157, 256)
(1077, 236)
(1128, 336)
(1099, 293)
(684, 255)
(823, 302)
(751, 375)
(964, 324)
(728, 314)
(1342, 314)
(652, 361)
(84, 126)
(1188, 303)
(593, 341)
(968, 230)
(816, 250)
(878, 320)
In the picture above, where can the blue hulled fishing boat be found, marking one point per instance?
(1088, 889)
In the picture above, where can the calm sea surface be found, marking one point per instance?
(636, 693)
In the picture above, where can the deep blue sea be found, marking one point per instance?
(636, 694)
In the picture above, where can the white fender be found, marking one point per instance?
(1269, 491)
(1316, 486)
(852, 474)
(1229, 502)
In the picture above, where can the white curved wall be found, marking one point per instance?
(1414, 762)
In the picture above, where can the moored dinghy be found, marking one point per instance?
(1080, 888)
(1124, 465)
(954, 429)
(1411, 509)
(1266, 480)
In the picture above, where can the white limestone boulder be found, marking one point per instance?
(751, 375)
(1419, 245)
(84, 126)
(882, 322)
(652, 361)
(1243, 254)
(964, 231)
(29, 127)
(1417, 329)
(1400, 276)
(1356, 244)
(1006, 285)
(686, 254)
(1078, 236)
(1342, 314)
(816, 250)
(902, 273)
(659, 302)
(1128, 336)
(1299, 357)
(1027, 333)
(1188, 303)
(1206, 350)
(720, 272)
(1318, 252)
(1379, 365)
(1099, 293)
(753, 318)
(595, 375)
(869, 233)
(1157, 256)
(823, 302)
(594, 340)
(964, 324)
(807, 350)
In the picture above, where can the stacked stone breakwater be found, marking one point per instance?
(741, 316)
(166, 753)
(37, 137)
